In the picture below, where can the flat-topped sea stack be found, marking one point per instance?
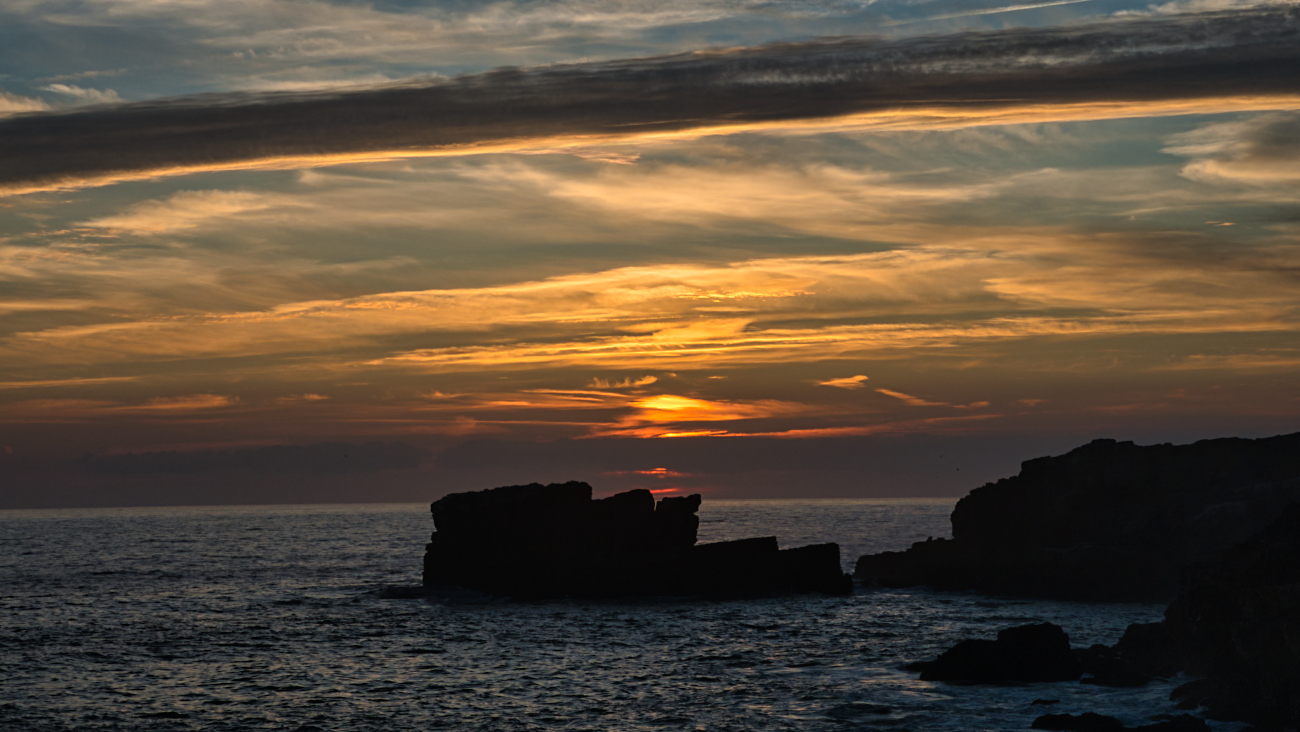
(551, 541)
(1110, 521)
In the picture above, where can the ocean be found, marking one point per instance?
(273, 618)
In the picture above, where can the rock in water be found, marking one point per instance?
(536, 541)
(813, 568)
(1181, 723)
(1092, 722)
(1109, 668)
(1238, 623)
(1025, 653)
(1086, 722)
(1106, 521)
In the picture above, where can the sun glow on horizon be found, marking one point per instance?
(635, 290)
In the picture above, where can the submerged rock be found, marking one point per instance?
(1027, 653)
(1107, 521)
(1093, 722)
(536, 541)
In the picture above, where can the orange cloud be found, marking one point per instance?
(909, 399)
(299, 398)
(654, 473)
(33, 411)
(695, 433)
(624, 384)
(933, 424)
(667, 415)
(848, 382)
(190, 402)
(634, 318)
(45, 383)
(673, 408)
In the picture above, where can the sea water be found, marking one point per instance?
(272, 618)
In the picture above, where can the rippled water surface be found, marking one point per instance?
(269, 618)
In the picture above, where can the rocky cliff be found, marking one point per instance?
(1237, 622)
(535, 541)
(1107, 521)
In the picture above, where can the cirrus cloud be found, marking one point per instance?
(1236, 59)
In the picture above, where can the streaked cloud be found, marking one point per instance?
(666, 317)
(36, 411)
(190, 402)
(673, 415)
(629, 382)
(653, 473)
(932, 425)
(1275, 360)
(184, 210)
(847, 382)
(1260, 151)
(17, 104)
(993, 10)
(1120, 68)
(64, 383)
(84, 95)
(911, 400)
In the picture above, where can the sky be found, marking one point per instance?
(309, 251)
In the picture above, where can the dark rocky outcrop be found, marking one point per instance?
(1037, 653)
(1180, 723)
(1042, 653)
(1107, 667)
(1106, 521)
(536, 541)
(1236, 622)
(1093, 722)
(1025, 653)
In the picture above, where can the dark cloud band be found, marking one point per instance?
(1209, 55)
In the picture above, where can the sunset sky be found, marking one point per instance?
(296, 251)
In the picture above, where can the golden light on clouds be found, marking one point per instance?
(636, 317)
(847, 382)
(931, 117)
(909, 399)
(660, 473)
(674, 408)
(626, 383)
(526, 274)
(188, 407)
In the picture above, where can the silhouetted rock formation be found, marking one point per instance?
(1092, 722)
(1106, 521)
(1237, 623)
(1109, 668)
(1024, 653)
(1042, 653)
(535, 541)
